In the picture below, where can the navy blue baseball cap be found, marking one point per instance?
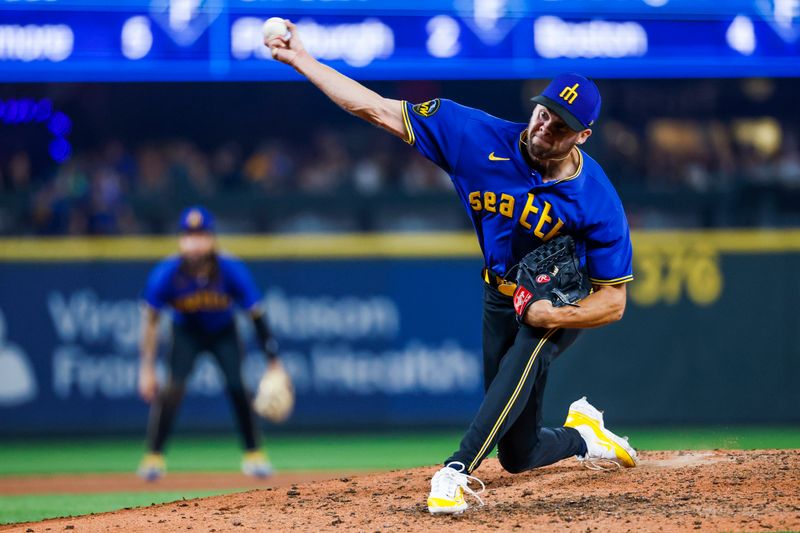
(574, 98)
(197, 218)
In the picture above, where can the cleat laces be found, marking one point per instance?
(600, 464)
(449, 479)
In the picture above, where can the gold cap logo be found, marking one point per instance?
(569, 94)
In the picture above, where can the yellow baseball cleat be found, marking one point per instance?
(604, 449)
(447, 490)
(256, 464)
(152, 467)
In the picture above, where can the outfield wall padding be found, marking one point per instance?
(711, 335)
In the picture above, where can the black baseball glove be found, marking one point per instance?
(551, 272)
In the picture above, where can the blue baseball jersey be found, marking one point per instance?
(512, 209)
(205, 304)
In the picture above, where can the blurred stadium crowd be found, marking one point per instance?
(279, 158)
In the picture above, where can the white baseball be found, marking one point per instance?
(274, 27)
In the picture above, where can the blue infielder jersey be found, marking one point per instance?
(512, 209)
(206, 304)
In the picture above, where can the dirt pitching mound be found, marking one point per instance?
(670, 491)
(175, 481)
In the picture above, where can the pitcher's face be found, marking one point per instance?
(549, 137)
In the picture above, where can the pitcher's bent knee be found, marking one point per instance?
(512, 465)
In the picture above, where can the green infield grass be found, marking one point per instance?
(360, 451)
(27, 508)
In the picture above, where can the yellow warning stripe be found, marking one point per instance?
(511, 401)
(276, 247)
(372, 245)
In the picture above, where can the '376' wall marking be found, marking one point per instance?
(665, 273)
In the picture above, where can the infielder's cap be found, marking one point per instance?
(574, 98)
(197, 218)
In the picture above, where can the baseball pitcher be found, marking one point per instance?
(527, 187)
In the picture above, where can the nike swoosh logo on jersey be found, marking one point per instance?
(493, 157)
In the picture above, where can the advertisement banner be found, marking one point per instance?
(395, 342)
(368, 343)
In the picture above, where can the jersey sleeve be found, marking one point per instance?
(157, 289)
(435, 128)
(240, 283)
(609, 254)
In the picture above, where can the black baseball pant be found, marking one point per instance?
(516, 360)
(187, 343)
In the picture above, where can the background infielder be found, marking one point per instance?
(201, 287)
(522, 185)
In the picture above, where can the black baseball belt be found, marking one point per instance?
(499, 282)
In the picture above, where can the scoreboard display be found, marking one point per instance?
(220, 40)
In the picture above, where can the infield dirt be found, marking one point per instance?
(669, 491)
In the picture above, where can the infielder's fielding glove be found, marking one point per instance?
(275, 397)
(551, 272)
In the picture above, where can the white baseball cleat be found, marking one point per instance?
(604, 449)
(447, 490)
